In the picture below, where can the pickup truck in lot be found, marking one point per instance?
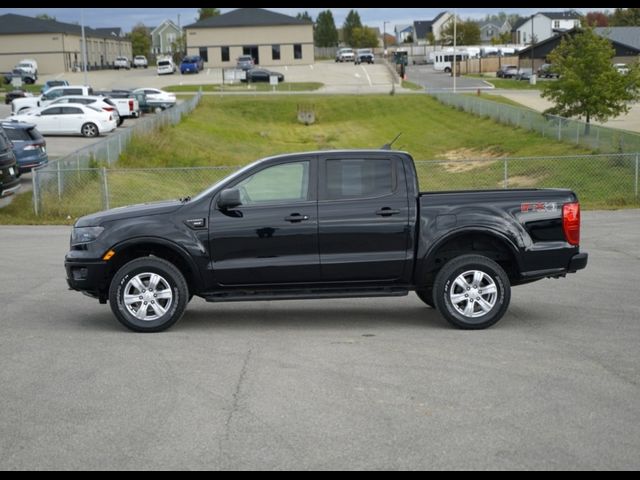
(332, 224)
(19, 105)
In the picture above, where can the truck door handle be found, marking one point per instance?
(387, 212)
(296, 218)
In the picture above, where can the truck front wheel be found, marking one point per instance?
(472, 292)
(148, 295)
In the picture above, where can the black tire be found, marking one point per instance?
(90, 130)
(472, 292)
(426, 296)
(137, 287)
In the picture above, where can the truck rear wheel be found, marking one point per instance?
(472, 292)
(148, 295)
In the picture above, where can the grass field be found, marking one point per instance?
(238, 130)
(233, 131)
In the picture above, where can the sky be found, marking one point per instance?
(126, 18)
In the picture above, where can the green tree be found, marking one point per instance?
(44, 16)
(326, 33)
(589, 87)
(467, 33)
(364, 37)
(140, 40)
(625, 17)
(204, 13)
(350, 24)
(305, 16)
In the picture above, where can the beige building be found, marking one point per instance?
(272, 39)
(56, 46)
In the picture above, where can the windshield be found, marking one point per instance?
(164, 64)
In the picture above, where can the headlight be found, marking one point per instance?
(85, 235)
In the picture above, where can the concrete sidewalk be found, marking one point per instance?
(533, 100)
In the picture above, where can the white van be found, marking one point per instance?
(166, 66)
(443, 60)
(28, 65)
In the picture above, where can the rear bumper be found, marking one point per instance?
(578, 262)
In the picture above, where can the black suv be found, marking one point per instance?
(9, 182)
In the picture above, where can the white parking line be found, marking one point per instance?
(367, 74)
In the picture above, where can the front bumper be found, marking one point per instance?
(7, 192)
(89, 277)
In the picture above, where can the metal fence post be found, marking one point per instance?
(36, 192)
(59, 180)
(637, 162)
(506, 173)
(105, 188)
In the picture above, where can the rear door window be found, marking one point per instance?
(358, 178)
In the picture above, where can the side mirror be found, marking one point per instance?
(229, 199)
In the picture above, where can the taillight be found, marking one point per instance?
(131, 105)
(108, 109)
(571, 223)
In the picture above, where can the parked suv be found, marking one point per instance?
(507, 71)
(245, 62)
(365, 55)
(9, 182)
(546, 71)
(140, 62)
(345, 55)
(193, 64)
(29, 146)
(122, 62)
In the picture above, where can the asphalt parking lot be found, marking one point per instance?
(349, 384)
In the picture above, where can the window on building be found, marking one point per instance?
(204, 54)
(556, 24)
(297, 51)
(226, 55)
(275, 52)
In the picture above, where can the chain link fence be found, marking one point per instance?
(80, 167)
(594, 137)
(601, 181)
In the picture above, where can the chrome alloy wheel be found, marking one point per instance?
(473, 294)
(147, 296)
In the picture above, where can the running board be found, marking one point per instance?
(301, 294)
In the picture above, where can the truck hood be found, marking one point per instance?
(143, 210)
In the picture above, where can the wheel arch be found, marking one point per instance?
(156, 247)
(478, 240)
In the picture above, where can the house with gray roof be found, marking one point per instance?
(57, 46)
(271, 38)
(543, 25)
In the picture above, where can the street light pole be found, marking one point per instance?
(455, 56)
(84, 48)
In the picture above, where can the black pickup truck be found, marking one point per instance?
(336, 224)
(9, 181)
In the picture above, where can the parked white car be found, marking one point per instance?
(166, 67)
(70, 119)
(103, 103)
(140, 61)
(345, 55)
(155, 95)
(122, 62)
